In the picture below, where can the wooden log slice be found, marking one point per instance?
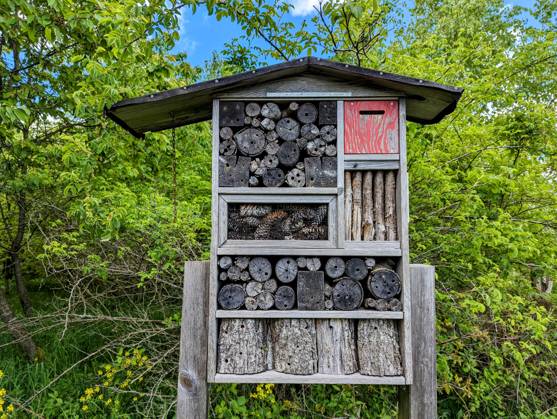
(227, 148)
(294, 346)
(234, 273)
(331, 150)
(348, 294)
(378, 348)
(225, 262)
(272, 147)
(316, 148)
(301, 262)
(327, 112)
(286, 270)
(226, 133)
(223, 276)
(307, 113)
(313, 264)
(250, 303)
(296, 178)
(270, 161)
(302, 143)
(285, 298)
(270, 285)
(271, 136)
(288, 154)
(231, 296)
(293, 106)
(253, 181)
(268, 124)
(370, 262)
(328, 133)
(329, 305)
(300, 165)
(254, 165)
(255, 122)
(265, 300)
(309, 131)
(242, 346)
(250, 141)
(244, 276)
(260, 268)
(384, 283)
(336, 346)
(242, 262)
(335, 267)
(273, 177)
(395, 304)
(287, 129)
(356, 269)
(270, 110)
(253, 109)
(247, 120)
(310, 290)
(253, 288)
(327, 291)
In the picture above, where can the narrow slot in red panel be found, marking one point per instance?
(371, 127)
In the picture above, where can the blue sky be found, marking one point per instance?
(202, 34)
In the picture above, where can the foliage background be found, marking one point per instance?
(96, 225)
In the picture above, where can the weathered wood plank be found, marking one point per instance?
(390, 206)
(294, 346)
(242, 346)
(368, 228)
(356, 206)
(308, 314)
(281, 378)
(336, 347)
(378, 348)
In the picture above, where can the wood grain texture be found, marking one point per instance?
(242, 346)
(368, 228)
(356, 234)
(390, 206)
(192, 378)
(294, 346)
(371, 127)
(379, 205)
(378, 348)
(281, 378)
(348, 205)
(336, 346)
(420, 399)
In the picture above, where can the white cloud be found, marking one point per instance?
(303, 7)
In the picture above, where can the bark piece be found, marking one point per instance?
(335, 267)
(288, 153)
(250, 141)
(231, 296)
(368, 229)
(378, 348)
(287, 129)
(328, 133)
(253, 109)
(378, 205)
(260, 268)
(234, 171)
(270, 110)
(286, 270)
(390, 206)
(231, 114)
(242, 346)
(356, 269)
(347, 205)
(296, 178)
(327, 112)
(310, 288)
(336, 346)
(285, 298)
(384, 283)
(307, 113)
(356, 206)
(294, 346)
(273, 177)
(348, 294)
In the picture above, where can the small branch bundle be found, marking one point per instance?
(308, 283)
(370, 205)
(277, 222)
(308, 346)
(278, 144)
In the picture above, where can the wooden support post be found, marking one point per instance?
(419, 400)
(192, 377)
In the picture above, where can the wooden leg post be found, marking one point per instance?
(419, 400)
(192, 377)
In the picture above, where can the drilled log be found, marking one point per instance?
(356, 206)
(348, 294)
(378, 205)
(370, 263)
(296, 178)
(384, 283)
(265, 300)
(270, 161)
(252, 109)
(378, 348)
(368, 228)
(231, 296)
(356, 269)
(310, 290)
(242, 346)
(316, 148)
(234, 171)
(336, 346)
(320, 172)
(335, 267)
(307, 113)
(288, 153)
(347, 205)
(273, 177)
(227, 148)
(331, 150)
(328, 133)
(327, 112)
(286, 270)
(288, 129)
(260, 268)
(294, 346)
(309, 131)
(250, 141)
(390, 205)
(226, 133)
(285, 298)
(270, 110)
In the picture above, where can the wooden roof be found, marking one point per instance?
(426, 102)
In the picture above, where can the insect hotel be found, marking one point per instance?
(309, 278)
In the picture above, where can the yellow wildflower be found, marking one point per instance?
(10, 408)
(1, 374)
(85, 408)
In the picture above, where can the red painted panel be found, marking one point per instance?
(371, 127)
